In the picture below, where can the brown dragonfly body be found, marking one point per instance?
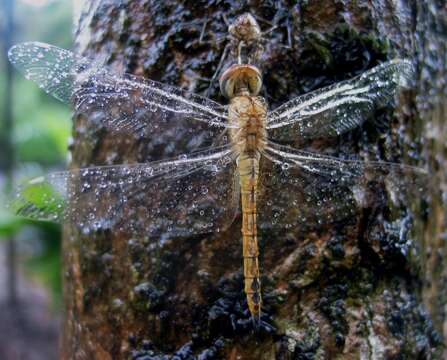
(249, 137)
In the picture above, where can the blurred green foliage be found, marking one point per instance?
(9, 224)
(39, 196)
(41, 130)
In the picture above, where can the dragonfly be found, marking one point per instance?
(240, 162)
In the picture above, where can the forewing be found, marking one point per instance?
(118, 102)
(311, 190)
(179, 197)
(341, 107)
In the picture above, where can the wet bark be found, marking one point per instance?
(371, 290)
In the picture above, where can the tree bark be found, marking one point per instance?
(366, 291)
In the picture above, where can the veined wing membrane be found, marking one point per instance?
(341, 107)
(118, 102)
(310, 190)
(179, 197)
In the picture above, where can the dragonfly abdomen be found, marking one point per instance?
(248, 179)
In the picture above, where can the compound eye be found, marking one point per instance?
(227, 86)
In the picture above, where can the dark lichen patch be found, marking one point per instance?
(363, 283)
(306, 347)
(333, 306)
(409, 322)
(310, 252)
(145, 297)
(189, 351)
(229, 315)
(97, 258)
(396, 241)
(392, 241)
(335, 245)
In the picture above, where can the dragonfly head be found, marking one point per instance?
(240, 79)
(245, 28)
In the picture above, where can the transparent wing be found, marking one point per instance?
(118, 102)
(307, 189)
(338, 108)
(183, 196)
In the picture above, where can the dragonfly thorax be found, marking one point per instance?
(248, 114)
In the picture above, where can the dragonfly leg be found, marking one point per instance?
(202, 33)
(218, 69)
(274, 25)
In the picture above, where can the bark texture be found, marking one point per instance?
(372, 290)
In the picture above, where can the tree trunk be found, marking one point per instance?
(368, 291)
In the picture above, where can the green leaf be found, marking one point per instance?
(39, 200)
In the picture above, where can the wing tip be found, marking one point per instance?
(27, 48)
(403, 69)
(18, 51)
(12, 53)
